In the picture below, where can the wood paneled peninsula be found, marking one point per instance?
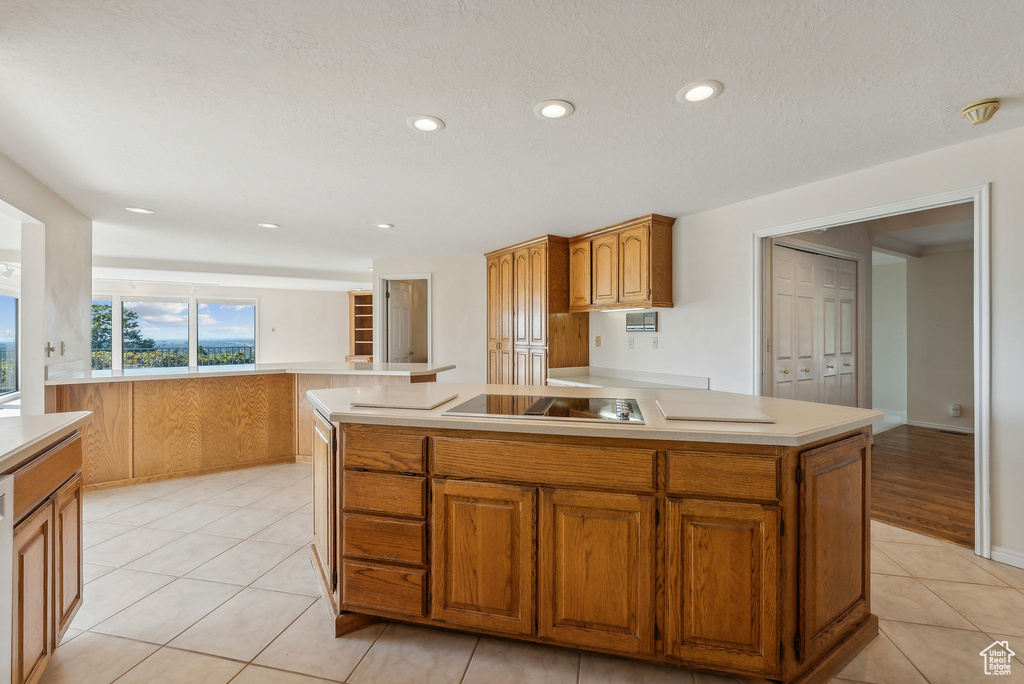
(156, 423)
(733, 547)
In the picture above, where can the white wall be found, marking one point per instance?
(457, 310)
(713, 251)
(57, 256)
(294, 325)
(889, 337)
(940, 338)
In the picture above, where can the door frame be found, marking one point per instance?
(380, 313)
(860, 260)
(980, 196)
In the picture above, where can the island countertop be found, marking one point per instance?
(796, 422)
(407, 370)
(22, 436)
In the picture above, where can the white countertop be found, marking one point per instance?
(311, 367)
(796, 422)
(22, 437)
(592, 376)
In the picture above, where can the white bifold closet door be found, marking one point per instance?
(814, 327)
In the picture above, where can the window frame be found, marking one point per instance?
(194, 321)
(14, 292)
(117, 303)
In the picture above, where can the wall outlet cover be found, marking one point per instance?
(629, 342)
(597, 341)
(654, 343)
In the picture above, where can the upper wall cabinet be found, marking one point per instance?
(622, 266)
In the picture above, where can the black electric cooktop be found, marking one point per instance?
(530, 406)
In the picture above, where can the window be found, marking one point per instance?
(154, 333)
(8, 344)
(102, 333)
(227, 333)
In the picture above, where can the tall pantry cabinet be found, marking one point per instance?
(529, 327)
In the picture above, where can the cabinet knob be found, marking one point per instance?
(784, 372)
(847, 364)
(806, 370)
(831, 366)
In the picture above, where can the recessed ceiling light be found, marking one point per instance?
(425, 123)
(139, 210)
(700, 91)
(554, 109)
(385, 225)
(269, 225)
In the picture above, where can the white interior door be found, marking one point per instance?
(814, 327)
(399, 296)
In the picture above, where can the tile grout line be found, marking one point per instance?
(367, 652)
(469, 662)
(912, 663)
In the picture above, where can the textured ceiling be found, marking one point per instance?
(222, 113)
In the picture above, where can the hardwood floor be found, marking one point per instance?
(923, 480)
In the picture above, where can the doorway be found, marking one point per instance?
(404, 319)
(930, 471)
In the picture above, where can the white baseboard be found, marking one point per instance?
(1014, 558)
(940, 426)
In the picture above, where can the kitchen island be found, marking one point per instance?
(155, 423)
(741, 548)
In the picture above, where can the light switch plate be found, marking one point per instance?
(654, 343)
(597, 341)
(630, 342)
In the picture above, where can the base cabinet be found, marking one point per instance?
(596, 569)
(722, 589)
(32, 627)
(68, 583)
(482, 557)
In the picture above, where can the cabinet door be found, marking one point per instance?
(324, 493)
(507, 366)
(834, 537)
(579, 274)
(482, 559)
(635, 265)
(68, 555)
(596, 569)
(522, 366)
(521, 298)
(722, 574)
(537, 330)
(538, 367)
(32, 629)
(493, 300)
(605, 270)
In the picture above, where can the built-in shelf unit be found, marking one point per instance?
(360, 325)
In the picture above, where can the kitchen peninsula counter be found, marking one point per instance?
(738, 548)
(155, 423)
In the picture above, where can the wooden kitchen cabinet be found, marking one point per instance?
(625, 265)
(529, 325)
(579, 274)
(324, 498)
(67, 521)
(596, 569)
(604, 276)
(32, 637)
(722, 579)
(482, 555)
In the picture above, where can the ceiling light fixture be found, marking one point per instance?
(385, 225)
(700, 91)
(554, 109)
(425, 123)
(269, 225)
(981, 111)
(139, 210)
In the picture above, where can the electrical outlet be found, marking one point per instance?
(629, 342)
(654, 343)
(597, 341)
(954, 410)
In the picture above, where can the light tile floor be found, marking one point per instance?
(207, 580)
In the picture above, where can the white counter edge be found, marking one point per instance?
(193, 373)
(56, 426)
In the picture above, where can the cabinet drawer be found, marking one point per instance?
(383, 587)
(35, 482)
(384, 451)
(543, 463)
(384, 493)
(734, 476)
(387, 539)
